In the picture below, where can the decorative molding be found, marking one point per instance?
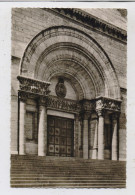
(87, 105)
(42, 100)
(101, 113)
(23, 96)
(85, 115)
(62, 104)
(92, 21)
(33, 86)
(108, 104)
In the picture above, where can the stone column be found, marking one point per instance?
(76, 132)
(100, 134)
(114, 136)
(80, 137)
(85, 136)
(22, 116)
(42, 130)
(95, 145)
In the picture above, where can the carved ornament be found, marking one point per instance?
(87, 105)
(33, 86)
(63, 104)
(60, 88)
(22, 96)
(92, 21)
(108, 104)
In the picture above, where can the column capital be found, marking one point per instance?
(100, 112)
(23, 96)
(42, 101)
(33, 86)
(85, 115)
(109, 104)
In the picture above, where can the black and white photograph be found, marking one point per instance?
(68, 98)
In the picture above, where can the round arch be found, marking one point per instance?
(82, 58)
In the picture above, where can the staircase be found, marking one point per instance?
(66, 172)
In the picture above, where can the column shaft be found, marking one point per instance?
(85, 139)
(101, 137)
(95, 145)
(42, 132)
(76, 132)
(22, 115)
(79, 138)
(114, 140)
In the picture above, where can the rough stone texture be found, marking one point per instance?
(27, 23)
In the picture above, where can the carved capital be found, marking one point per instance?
(99, 104)
(22, 96)
(108, 104)
(33, 86)
(87, 105)
(85, 115)
(100, 113)
(42, 101)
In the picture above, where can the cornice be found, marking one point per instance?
(92, 22)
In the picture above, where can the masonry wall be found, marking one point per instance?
(14, 104)
(27, 23)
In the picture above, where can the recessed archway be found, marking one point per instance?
(82, 58)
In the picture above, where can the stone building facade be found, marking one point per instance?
(68, 77)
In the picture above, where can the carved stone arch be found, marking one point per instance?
(84, 60)
(64, 34)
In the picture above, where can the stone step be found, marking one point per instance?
(74, 182)
(36, 177)
(65, 185)
(65, 176)
(65, 172)
(88, 171)
(34, 171)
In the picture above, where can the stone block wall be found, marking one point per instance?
(14, 105)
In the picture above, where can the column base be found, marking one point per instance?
(94, 154)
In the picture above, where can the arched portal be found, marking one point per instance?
(69, 74)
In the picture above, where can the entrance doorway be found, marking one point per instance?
(60, 136)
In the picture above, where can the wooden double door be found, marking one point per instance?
(60, 136)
